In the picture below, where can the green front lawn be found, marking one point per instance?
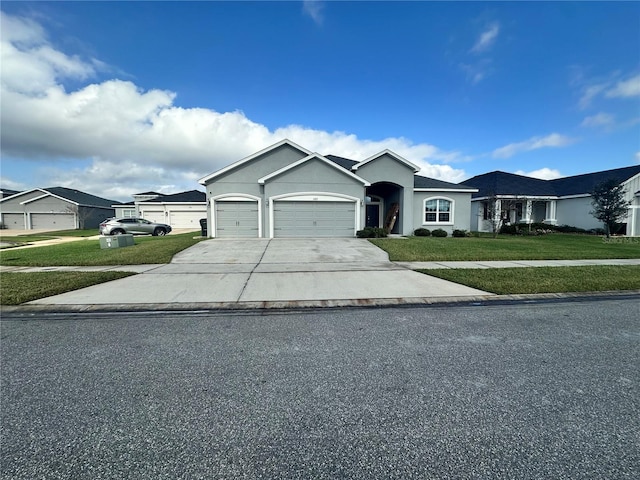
(528, 280)
(147, 249)
(544, 247)
(17, 288)
(7, 236)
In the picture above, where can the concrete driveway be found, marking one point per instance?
(253, 273)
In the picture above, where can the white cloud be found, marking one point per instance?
(314, 8)
(29, 63)
(126, 139)
(486, 39)
(479, 66)
(637, 157)
(599, 120)
(609, 88)
(625, 88)
(477, 71)
(589, 93)
(542, 173)
(553, 140)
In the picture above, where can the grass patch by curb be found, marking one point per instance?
(505, 281)
(545, 247)
(147, 249)
(17, 288)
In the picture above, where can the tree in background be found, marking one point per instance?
(609, 204)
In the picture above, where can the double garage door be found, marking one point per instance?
(290, 219)
(313, 219)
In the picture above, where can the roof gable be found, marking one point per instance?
(391, 154)
(251, 157)
(69, 195)
(313, 156)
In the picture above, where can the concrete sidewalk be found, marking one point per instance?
(258, 273)
(278, 273)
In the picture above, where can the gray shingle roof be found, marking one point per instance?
(190, 196)
(81, 198)
(343, 162)
(580, 184)
(426, 182)
(503, 183)
(418, 181)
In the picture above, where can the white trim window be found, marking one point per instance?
(438, 210)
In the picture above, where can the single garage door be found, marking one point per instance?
(314, 219)
(236, 219)
(186, 219)
(13, 220)
(53, 221)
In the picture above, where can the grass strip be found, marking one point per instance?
(527, 280)
(505, 247)
(147, 249)
(7, 237)
(17, 288)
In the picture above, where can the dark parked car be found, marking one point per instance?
(135, 226)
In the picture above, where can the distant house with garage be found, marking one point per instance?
(563, 201)
(55, 208)
(286, 190)
(180, 210)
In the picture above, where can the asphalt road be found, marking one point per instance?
(543, 390)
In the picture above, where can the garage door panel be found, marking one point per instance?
(314, 219)
(156, 216)
(53, 221)
(13, 221)
(186, 218)
(237, 219)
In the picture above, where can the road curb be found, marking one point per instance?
(479, 300)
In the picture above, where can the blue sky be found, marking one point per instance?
(125, 97)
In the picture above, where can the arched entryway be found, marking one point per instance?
(384, 206)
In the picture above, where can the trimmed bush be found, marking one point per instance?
(422, 232)
(509, 229)
(459, 233)
(371, 232)
(438, 232)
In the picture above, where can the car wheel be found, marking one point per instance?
(117, 231)
(159, 232)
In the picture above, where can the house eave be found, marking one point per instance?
(286, 141)
(516, 197)
(452, 190)
(49, 194)
(328, 162)
(394, 155)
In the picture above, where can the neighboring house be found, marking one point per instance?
(180, 210)
(55, 208)
(286, 190)
(563, 201)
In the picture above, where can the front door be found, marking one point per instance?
(373, 215)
